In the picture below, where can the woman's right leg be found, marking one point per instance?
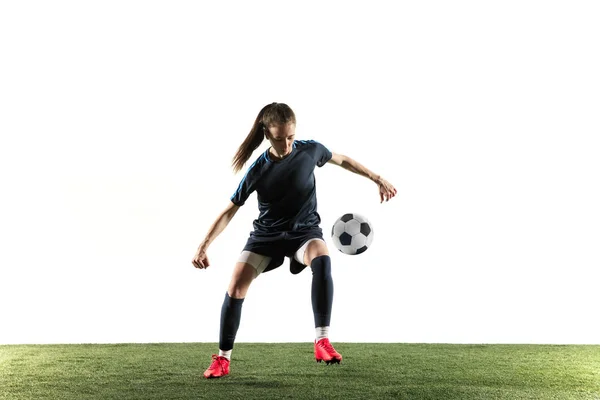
(245, 271)
(231, 311)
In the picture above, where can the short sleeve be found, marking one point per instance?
(245, 188)
(322, 154)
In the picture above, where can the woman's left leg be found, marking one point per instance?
(317, 256)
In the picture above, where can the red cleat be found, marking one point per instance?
(218, 368)
(324, 351)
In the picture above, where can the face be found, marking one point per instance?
(282, 139)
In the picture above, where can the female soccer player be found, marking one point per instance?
(287, 225)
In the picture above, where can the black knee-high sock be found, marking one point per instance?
(322, 290)
(231, 313)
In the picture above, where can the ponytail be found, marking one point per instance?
(271, 114)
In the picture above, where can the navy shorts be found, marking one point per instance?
(280, 245)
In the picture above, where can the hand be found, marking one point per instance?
(386, 190)
(201, 259)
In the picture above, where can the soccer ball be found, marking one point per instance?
(352, 234)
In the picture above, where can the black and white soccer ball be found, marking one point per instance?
(352, 234)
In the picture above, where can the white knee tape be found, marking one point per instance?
(258, 261)
(299, 255)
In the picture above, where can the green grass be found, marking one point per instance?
(288, 371)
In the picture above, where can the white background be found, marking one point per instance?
(119, 120)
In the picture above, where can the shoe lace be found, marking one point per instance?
(327, 346)
(217, 362)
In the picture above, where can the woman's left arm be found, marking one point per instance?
(386, 189)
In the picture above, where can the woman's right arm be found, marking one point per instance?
(200, 259)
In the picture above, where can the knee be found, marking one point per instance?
(238, 288)
(240, 281)
(321, 266)
(236, 292)
(316, 248)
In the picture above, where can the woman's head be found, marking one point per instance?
(276, 114)
(276, 122)
(281, 138)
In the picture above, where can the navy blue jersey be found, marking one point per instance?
(285, 188)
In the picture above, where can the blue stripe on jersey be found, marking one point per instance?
(244, 178)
